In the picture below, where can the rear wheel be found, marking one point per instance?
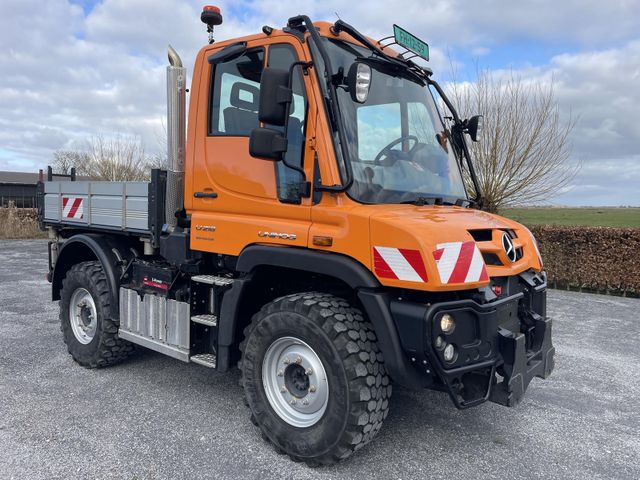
(86, 319)
(314, 377)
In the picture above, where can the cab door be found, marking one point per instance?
(239, 200)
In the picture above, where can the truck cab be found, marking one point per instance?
(319, 223)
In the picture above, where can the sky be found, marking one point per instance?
(70, 69)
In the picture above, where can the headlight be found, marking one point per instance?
(447, 323)
(359, 81)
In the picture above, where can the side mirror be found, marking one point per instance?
(275, 96)
(473, 127)
(359, 81)
(267, 144)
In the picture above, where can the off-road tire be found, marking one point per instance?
(105, 348)
(359, 388)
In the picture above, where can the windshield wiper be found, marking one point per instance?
(422, 201)
(341, 26)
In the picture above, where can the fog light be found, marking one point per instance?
(449, 353)
(447, 323)
(439, 343)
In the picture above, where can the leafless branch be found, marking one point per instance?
(115, 158)
(522, 157)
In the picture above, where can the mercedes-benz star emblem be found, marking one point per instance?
(509, 249)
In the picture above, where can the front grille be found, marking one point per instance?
(492, 259)
(483, 235)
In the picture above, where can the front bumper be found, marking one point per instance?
(500, 346)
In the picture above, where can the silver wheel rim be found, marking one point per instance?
(83, 316)
(295, 382)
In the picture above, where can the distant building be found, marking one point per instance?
(19, 188)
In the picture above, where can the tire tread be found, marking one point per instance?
(111, 349)
(355, 340)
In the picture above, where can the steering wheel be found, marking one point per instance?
(390, 158)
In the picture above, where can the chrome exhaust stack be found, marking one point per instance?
(176, 126)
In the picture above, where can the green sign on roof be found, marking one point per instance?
(411, 42)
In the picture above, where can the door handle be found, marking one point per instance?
(205, 195)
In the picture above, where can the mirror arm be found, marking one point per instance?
(331, 104)
(457, 127)
(300, 170)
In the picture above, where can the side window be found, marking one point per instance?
(235, 95)
(289, 181)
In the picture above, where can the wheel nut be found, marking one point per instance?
(312, 388)
(283, 389)
(305, 402)
(280, 373)
(293, 402)
(298, 360)
(309, 371)
(287, 361)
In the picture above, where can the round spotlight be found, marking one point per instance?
(449, 353)
(447, 324)
(440, 343)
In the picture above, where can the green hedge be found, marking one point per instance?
(595, 259)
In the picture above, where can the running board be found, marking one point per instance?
(154, 345)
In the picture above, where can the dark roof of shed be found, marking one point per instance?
(29, 178)
(19, 177)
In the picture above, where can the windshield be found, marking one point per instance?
(398, 147)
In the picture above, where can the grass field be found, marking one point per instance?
(597, 217)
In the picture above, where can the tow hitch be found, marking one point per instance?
(521, 365)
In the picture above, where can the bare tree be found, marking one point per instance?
(115, 158)
(522, 156)
(118, 158)
(64, 160)
(159, 158)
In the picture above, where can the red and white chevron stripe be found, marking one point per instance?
(460, 262)
(73, 208)
(399, 264)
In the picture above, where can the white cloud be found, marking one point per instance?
(66, 75)
(599, 89)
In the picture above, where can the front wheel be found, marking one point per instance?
(314, 377)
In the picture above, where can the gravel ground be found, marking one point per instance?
(154, 417)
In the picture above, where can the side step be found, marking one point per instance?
(207, 293)
(205, 359)
(206, 319)
(212, 280)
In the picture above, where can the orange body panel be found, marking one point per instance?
(247, 210)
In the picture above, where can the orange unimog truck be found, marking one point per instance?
(312, 227)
